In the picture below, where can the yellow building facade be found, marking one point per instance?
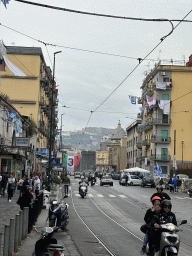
(169, 88)
(102, 160)
(30, 95)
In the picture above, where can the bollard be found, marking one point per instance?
(20, 227)
(11, 236)
(23, 225)
(26, 220)
(6, 240)
(0, 243)
(16, 241)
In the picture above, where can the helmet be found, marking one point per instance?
(159, 187)
(166, 202)
(155, 198)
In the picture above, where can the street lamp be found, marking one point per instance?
(51, 122)
(61, 132)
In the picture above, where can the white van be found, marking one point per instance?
(182, 176)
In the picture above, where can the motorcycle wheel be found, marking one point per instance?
(171, 254)
(82, 195)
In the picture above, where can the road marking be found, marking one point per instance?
(99, 195)
(122, 196)
(112, 196)
(183, 197)
(90, 195)
(77, 195)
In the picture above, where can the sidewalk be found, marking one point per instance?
(63, 238)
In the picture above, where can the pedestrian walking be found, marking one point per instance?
(66, 182)
(26, 199)
(171, 186)
(37, 185)
(178, 185)
(4, 181)
(175, 184)
(11, 185)
(126, 180)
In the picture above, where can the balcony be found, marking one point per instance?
(163, 158)
(159, 139)
(146, 142)
(161, 121)
(139, 145)
(147, 126)
(138, 159)
(168, 87)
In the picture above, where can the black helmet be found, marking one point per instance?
(159, 187)
(166, 202)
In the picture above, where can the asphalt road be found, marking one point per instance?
(107, 221)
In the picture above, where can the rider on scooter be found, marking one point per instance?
(161, 194)
(83, 182)
(164, 215)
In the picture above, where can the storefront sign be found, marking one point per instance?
(22, 142)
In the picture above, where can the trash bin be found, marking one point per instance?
(46, 198)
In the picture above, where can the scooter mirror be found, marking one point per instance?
(183, 222)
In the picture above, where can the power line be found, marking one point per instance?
(87, 50)
(98, 14)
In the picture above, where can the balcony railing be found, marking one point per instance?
(159, 139)
(161, 121)
(168, 87)
(139, 145)
(146, 142)
(162, 157)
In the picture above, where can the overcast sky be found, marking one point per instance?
(85, 78)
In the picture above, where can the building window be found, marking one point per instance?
(2, 65)
(164, 169)
(165, 79)
(165, 96)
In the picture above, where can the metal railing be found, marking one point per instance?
(20, 226)
(161, 157)
(159, 139)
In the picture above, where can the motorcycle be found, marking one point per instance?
(46, 245)
(93, 182)
(190, 191)
(83, 189)
(58, 214)
(169, 242)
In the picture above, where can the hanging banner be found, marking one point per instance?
(71, 162)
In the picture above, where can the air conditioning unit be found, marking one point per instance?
(2, 141)
(162, 73)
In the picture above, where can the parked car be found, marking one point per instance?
(106, 180)
(71, 173)
(134, 180)
(77, 175)
(148, 182)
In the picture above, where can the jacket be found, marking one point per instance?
(148, 216)
(163, 217)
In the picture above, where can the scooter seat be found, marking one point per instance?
(54, 246)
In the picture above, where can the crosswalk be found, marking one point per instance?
(100, 195)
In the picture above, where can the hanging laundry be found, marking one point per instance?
(165, 106)
(16, 71)
(133, 99)
(150, 101)
(5, 2)
(162, 86)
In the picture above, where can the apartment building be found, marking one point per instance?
(166, 116)
(134, 145)
(102, 160)
(31, 94)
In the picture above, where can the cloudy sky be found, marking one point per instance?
(85, 76)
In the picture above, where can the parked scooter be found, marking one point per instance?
(58, 214)
(190, 191)
(83, 189)
(47, 245)
(169, 243)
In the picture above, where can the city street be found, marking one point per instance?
(107, 221)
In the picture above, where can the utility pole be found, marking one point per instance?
(174, 156)
(51, 122)
(61, 132)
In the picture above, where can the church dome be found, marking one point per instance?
(119, 132)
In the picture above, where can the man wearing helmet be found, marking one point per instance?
(162, 216)
(161, 194)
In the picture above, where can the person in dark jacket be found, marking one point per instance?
(165, 215)
(4, 181)
(161, 194)
(26, 199)
(156, 205)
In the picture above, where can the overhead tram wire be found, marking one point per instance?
(161, 40)
(97, 14)
(86, 50)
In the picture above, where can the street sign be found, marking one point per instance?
(54, 161)
(22, 142)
